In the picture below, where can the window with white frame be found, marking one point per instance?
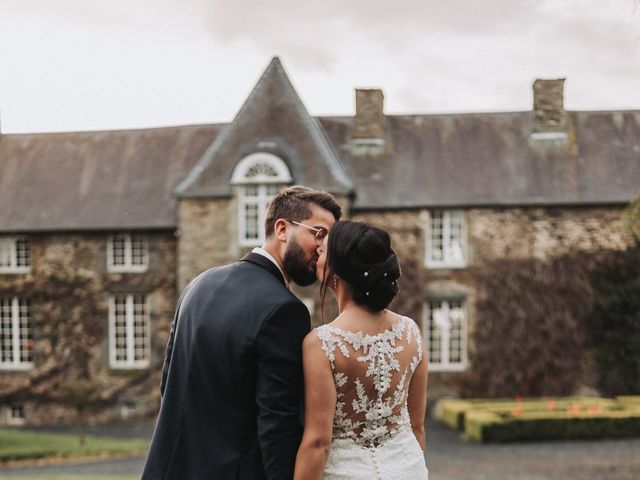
(15, 415)
(258, 178)
(445, 332)
(16, 334)
(447, 239)
(127, 252)
(15, 255)
(129, 332)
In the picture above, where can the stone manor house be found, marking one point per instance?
(141, 212)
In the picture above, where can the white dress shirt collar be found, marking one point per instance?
(264, 253)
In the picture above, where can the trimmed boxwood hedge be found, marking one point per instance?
(532, 419)
(490, 427)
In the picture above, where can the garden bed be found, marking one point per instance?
(543, 419)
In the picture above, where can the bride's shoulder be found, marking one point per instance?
(318, 334)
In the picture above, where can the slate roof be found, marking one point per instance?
(129, 179)
(489, 159)
(96, 180)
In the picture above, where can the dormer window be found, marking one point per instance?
(15, 255)
(258, 177)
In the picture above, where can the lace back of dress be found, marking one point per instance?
(372, 375)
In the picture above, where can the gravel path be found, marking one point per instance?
(449, 457)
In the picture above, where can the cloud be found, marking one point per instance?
(313, 33)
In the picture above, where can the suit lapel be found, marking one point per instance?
(265, 263)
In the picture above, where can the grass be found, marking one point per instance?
(30, 445)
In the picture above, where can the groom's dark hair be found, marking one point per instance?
(292, 204)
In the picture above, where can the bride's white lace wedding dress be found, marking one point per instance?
(372, 436)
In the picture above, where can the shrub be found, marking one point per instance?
(487, 426)
(503, 420)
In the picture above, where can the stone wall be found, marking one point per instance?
(84, 254)
(207, 236)
(543, 232)
(497, 233)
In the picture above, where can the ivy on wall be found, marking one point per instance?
(547, 327)
(69, 320)
(529, 338)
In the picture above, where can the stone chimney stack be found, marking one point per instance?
(548, 107)
(368, 124)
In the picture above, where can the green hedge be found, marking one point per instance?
(543, 419)
(452, 411)
(491, 427)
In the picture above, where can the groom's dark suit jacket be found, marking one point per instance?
(232, 380)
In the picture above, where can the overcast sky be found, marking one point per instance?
(109, 64)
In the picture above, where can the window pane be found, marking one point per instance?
(16, 333)
(252, 231)
(130, 334)
(435, 333)
(456, 320)
(261, 169)
(23, 252)
(138, 249)
(17, 412)
(447, 237)
(6, 338)
(251, 191)
(436, 236)
(120, 327)
(272, 189)
(6, 252)
(140, 319)
(25, 333)
(119, 245)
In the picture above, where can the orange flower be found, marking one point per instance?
(551, 405)
(574, 410)
(517, 412)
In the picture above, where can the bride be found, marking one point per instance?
(365, 372)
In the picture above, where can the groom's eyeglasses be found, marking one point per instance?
(321, 232)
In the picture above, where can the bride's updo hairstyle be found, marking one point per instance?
(361, 255)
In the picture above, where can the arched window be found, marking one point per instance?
(258, 178)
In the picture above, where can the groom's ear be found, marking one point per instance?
(281, 230)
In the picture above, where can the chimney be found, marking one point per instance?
(549, 115)
(368, 124)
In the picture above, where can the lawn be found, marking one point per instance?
(25, 445)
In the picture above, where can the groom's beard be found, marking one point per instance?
(296, 265)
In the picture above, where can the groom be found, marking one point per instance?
(232, 382)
